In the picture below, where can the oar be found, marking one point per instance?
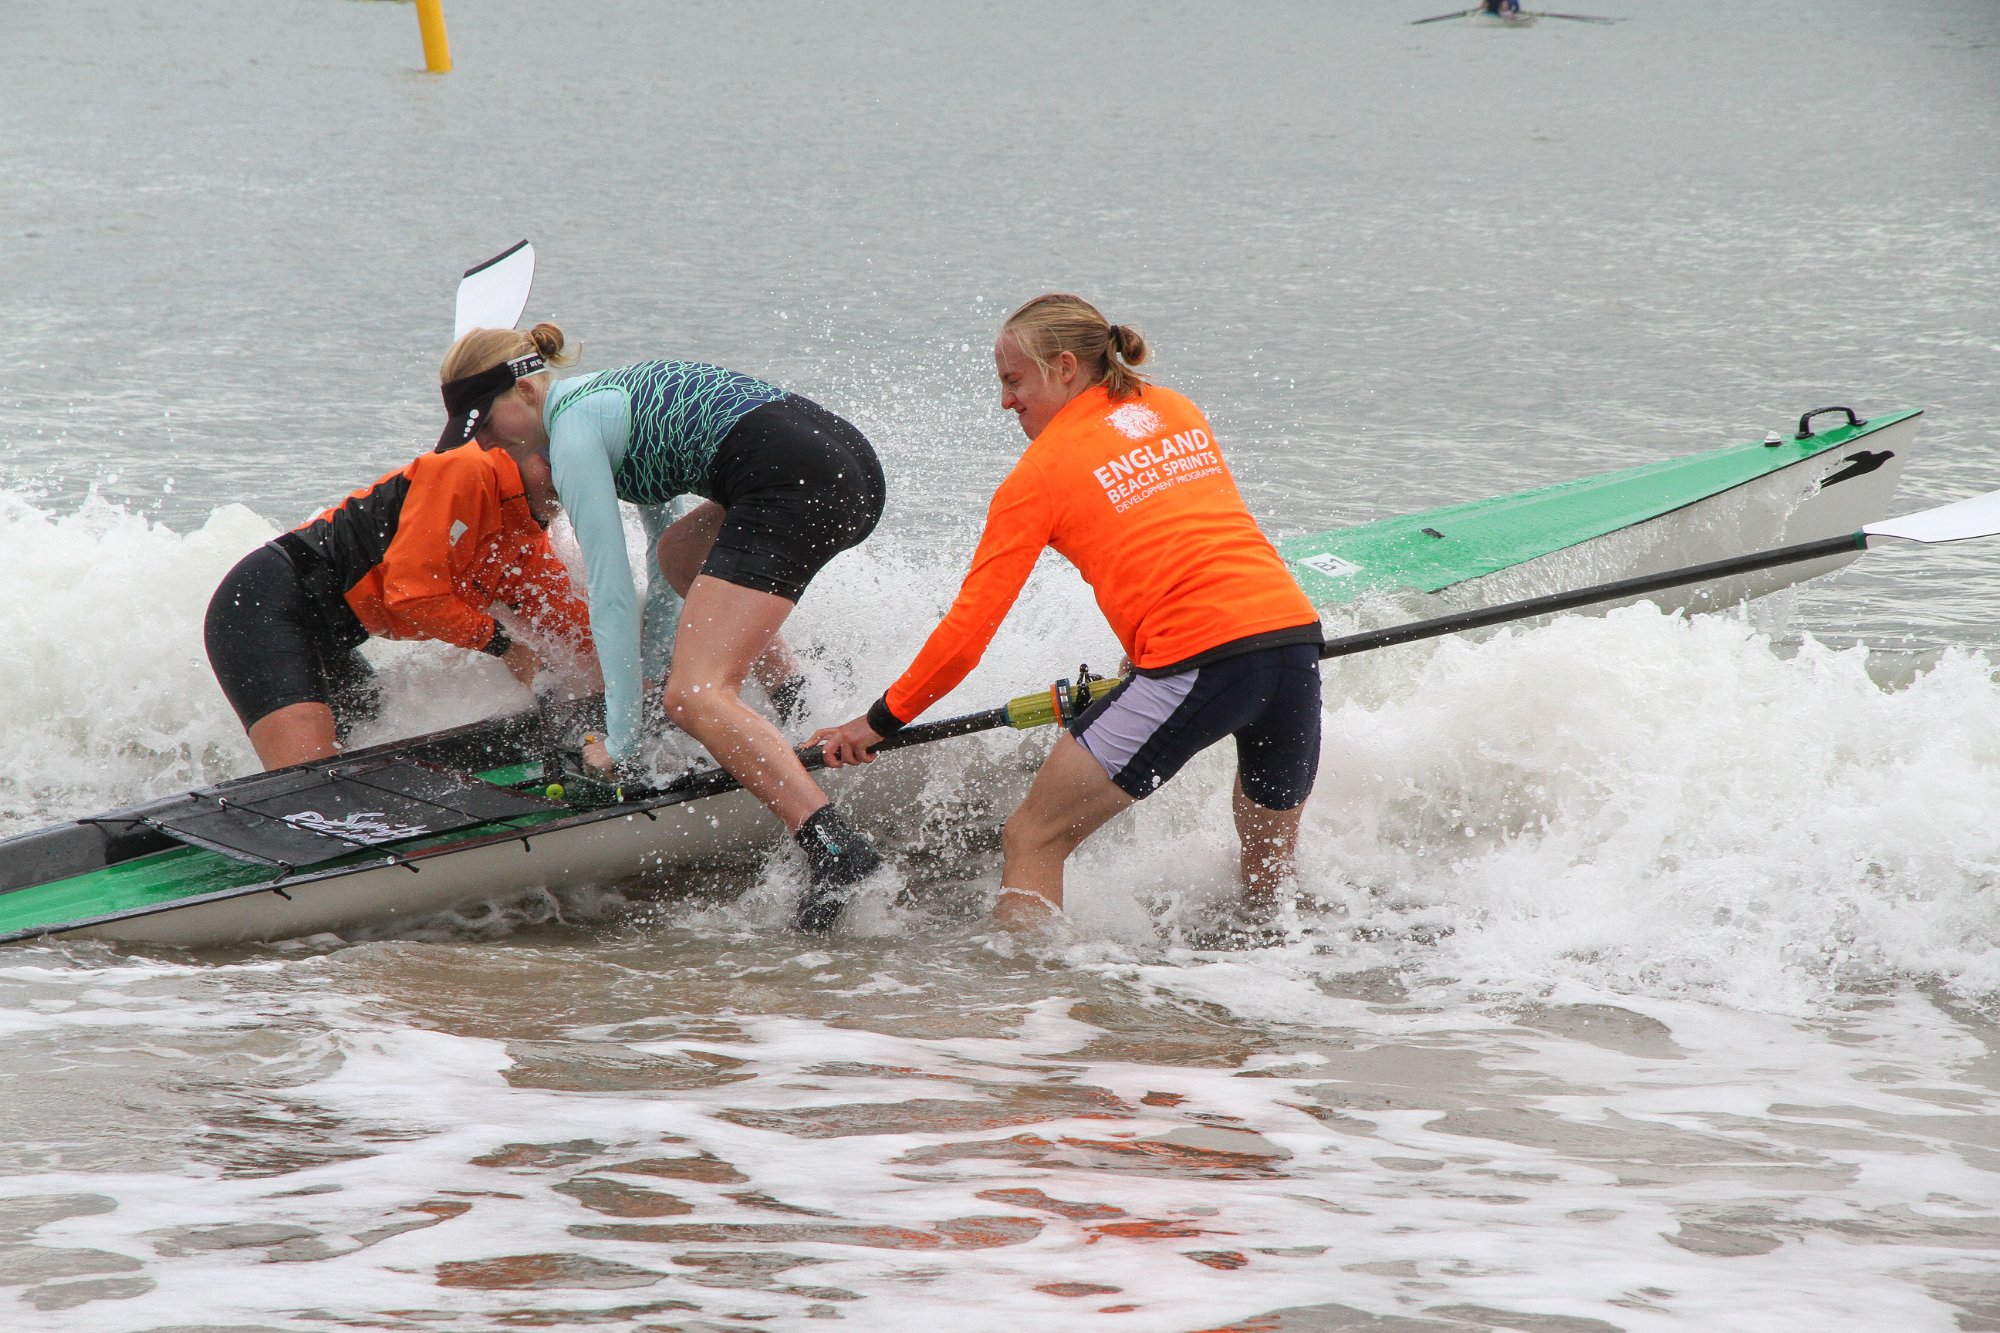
(1574, 18)
(1962, 520)
(493, 293)
(1439, 18)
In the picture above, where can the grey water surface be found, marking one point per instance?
(1652, 979)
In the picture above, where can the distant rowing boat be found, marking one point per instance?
(1486, 16)
(417, 827)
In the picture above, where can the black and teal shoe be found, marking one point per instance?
(838, 857)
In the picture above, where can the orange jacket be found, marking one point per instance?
(424, 551)
(1136, 495)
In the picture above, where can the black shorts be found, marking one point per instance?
(798, 485)
(1147, 728)
(273, 643)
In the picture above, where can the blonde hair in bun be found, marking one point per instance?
(1059, 322)
(483, 349)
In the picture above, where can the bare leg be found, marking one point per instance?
(294, 734)
(1270, 841)
(723, 630)
(1070, 799)
(682, 549)
(686, 542)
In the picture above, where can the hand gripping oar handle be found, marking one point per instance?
(1060, 702)
(1028, 710)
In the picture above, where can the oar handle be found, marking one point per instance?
(1028, 710)
(1637, 586)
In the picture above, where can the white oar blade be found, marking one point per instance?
(492, 295)
(1975, 517)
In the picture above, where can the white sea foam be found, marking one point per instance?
(108, 686)
(1608, 1002)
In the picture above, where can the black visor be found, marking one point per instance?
(467, 399)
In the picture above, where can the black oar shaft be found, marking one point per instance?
(963, 725)
(1637, 586)
(714, 781)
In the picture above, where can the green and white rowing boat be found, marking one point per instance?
(441, 822)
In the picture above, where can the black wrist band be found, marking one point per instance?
(885, 722)
(498, 645)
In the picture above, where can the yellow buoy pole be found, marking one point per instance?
(437, 49)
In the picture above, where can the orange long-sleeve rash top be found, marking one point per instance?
(1136, 495)
(464, 540)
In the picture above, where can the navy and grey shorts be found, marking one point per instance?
(1147, 729)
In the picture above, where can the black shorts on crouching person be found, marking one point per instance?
(1147, 728)
(798, 485)
(273, 641)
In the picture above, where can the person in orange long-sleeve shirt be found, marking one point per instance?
(1125, 479)
(425, 552)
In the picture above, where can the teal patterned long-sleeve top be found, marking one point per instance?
(648, 434)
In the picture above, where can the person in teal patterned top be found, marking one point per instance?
(783, 486)
(656, 426)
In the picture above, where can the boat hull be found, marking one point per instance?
(653, 847)
(129, 876)
(343, 900)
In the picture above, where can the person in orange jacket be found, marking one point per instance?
(425, 552)
(1126, 480)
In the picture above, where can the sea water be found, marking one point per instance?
(1645, 971)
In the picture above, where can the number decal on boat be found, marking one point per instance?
(1330, 565)
(368, 826)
